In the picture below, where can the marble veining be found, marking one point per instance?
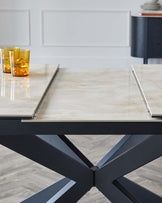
(93, 95)
(149, 78)
(20, 96)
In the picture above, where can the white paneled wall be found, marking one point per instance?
(85, 28)
(15, 27)
(73, 33)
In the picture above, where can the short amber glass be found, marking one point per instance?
(20, 63)
(5, 57)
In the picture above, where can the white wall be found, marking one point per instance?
(74, 33)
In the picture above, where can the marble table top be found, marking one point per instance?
(21, 96)
(83, 94)
(149, 78)
(88, 95)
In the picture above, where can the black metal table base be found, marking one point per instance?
(56, 152)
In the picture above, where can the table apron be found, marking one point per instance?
(16, 127)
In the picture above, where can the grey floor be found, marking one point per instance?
(20, 177)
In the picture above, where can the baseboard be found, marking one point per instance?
(89, 62)
(93, 62)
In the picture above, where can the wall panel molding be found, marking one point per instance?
(15, 27)
(87, 62)
(93, 28)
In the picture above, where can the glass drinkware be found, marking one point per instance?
(5, 58)
(20, 63)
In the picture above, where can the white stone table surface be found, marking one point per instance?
(149, 79)
(87, 95)
(52, 94)
(21, 96)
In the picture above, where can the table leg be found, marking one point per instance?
(56, 153)
(136, 192)
(65, 190)
(132, 152)
(52, 152)
(59, 154)
(46, 194)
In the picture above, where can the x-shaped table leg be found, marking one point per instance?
(59, 154)
(132, 152)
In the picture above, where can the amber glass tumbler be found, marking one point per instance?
(5, 57)
(20, 63)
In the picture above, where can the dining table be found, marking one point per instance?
(37, 113)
